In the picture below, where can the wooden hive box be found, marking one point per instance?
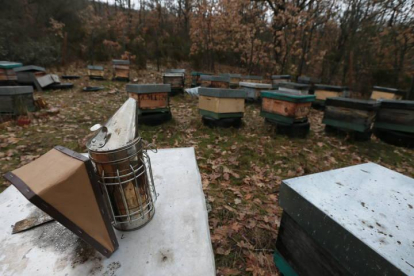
(121, 69)
(175, 78)
(221, 103)
(195, 78)
(386, 93)
(308, 80)
(215, 81)
(28, 74)
(295, 88)
(352, 221)
(16, 100)
(276, 79)
(285, 107)
(6, 71)
(395, 115)
(150, 97)
(253, 89)
(234, 79)
(254, 79)
(95, 72)
(322, 92)
(350, 114)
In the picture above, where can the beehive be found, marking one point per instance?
(253, 89)
(276, 79)
(322, 92)
(254, 79)
(215, 81)
(176, 79)
(6, 71)
(350, 114)
(350, 221)
(28, 74)
(121, 69)
(150, 97)
(95, 72)
(395, 115)
(16, 100)
(195, 78)
(295, 88)
(221, 103)
(285, 107)
(386, 93)
(234, 79)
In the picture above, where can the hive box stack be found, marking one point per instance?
(95, 72)
(350, 115)
(221, 107)
(255, 79)
(215, 81)
(121, 69)
(253, 89)
(153, 102)
(295, 88)
(276, 79)
(176, 79)
(386, 93)
(351, 221)
(322, 92)
(395, 122)
(195, 78)
(234, 79)
(16, 100)
(7, 74)
(288, 111)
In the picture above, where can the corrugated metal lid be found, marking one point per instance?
(222, 93)
(95, 67)
(214, 78)
(255, 85)
(281, 77)
(29, 68)
(148, 88)
(330, 87)
(15, 90)
(352, 103)
(9, 64)
(288, 96)
(121, 62)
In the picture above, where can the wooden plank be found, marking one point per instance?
(376, 95)
(284, 108)
(151, 100)
(122, 73)
(221, 105)
(324, 94)
(395, 119)
(304, 254)
(358, 120)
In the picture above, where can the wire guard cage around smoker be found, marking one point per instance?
(125, 175)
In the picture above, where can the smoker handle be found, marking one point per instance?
(150, 146)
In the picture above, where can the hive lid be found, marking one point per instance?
(62, 183)
(120, 130)
(352, 103)
(294, 85)
(330, 87)
(95, 67)
(256, 85)
(214, 78)
(288, 96)
(15, 90)
(231, 75)
(199, 73)
(281, 77)
(121, 62)
(361, 214)
(175, 71)
(222, 93)
(307, 80)
(397, 104)
(148, 88)
(389, 90)
(32, 68)
(252, 77)
(9, 64)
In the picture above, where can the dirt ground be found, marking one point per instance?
(242, 169)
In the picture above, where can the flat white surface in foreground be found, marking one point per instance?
(176, 241)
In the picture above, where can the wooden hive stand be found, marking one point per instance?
(350, 116)
(221, 107)
(254, 89)
(95, 72)
(288, 111)
(153, 102)
(176, 79)
(395, 122)
(387, 93)
(121, 69)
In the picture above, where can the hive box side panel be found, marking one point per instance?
(358, 120)
(376, 95)
(395, 119)
(151, 100)
(284, 108)
(221, 105)
(122, 73)
(324, 94)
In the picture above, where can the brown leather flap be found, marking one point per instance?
(63, 184)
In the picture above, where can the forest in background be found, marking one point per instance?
(358, 43)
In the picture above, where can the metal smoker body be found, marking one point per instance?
(124, 169)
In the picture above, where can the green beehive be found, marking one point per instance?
(16, 100)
